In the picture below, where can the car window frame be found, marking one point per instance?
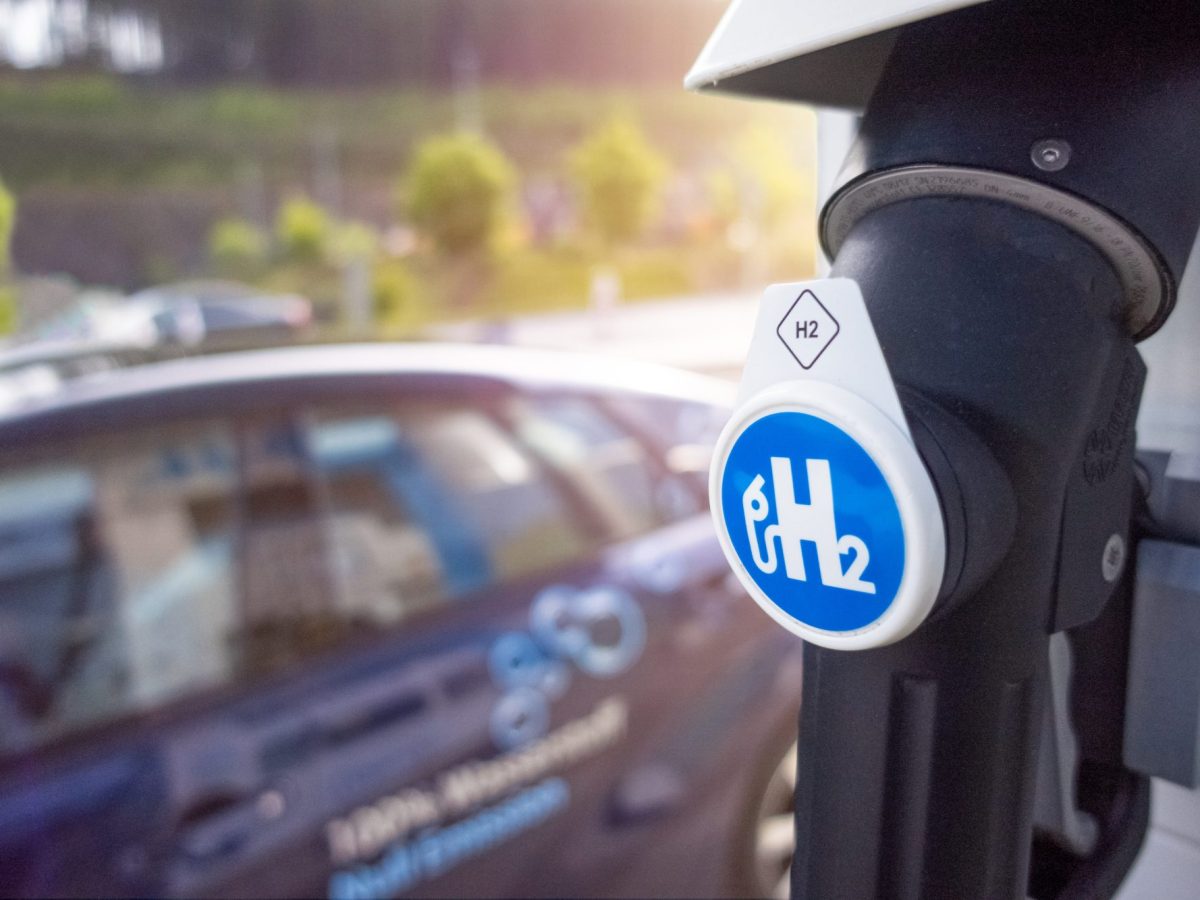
(658, 448)
(490, 405)
(236, 404)
(71, 427)
(593, 397)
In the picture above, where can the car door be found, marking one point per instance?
(343, 648)
(431, 741)
(734, 679)
(280, 648)
(607, 665)
(653, 525)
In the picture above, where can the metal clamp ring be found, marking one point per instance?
(1148, 287)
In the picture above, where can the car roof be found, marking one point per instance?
(521, 366)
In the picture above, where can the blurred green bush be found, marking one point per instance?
(8, 299)
(618, 175)
(302, 229)
(397, 298)
(457, 189)
(674, 194)
(238, 248)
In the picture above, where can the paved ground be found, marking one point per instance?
(708, 334)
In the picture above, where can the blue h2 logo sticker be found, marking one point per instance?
(813, 521)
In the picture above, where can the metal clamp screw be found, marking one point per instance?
(1112, 561)
(1051, 155)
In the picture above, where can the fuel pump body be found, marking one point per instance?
(1019, 207)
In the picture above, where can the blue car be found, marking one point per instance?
(384, 620)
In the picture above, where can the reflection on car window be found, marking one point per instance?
(604, 463)
(522, 519)
(137, 569)
(684, 430)
(385, 563)
(429, 503)
(288, 612)
(116, 581)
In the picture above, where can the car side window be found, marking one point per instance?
(430, 501)
(685, 431)
(286, 599)
(603, 461)
(385, 565)
(117, 580)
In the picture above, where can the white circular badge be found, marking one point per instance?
(828, 516)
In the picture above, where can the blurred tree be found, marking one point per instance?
(619, 176)
(394, 291)
(303, 229)
(237, 247)
(353, 241)
(8, 296)
(723, 196)
(8, 221)
(457, 188)
(8, 309)
(766, 164)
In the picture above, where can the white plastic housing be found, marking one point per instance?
(847, 40)
(846, 384)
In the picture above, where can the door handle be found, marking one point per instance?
(216, 824)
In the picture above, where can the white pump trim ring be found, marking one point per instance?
(1148, 290)
(906, 476)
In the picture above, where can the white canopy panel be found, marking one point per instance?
(826, 52)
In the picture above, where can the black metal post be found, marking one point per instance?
(1012, 305)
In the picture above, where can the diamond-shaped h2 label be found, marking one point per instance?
(807, 329)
